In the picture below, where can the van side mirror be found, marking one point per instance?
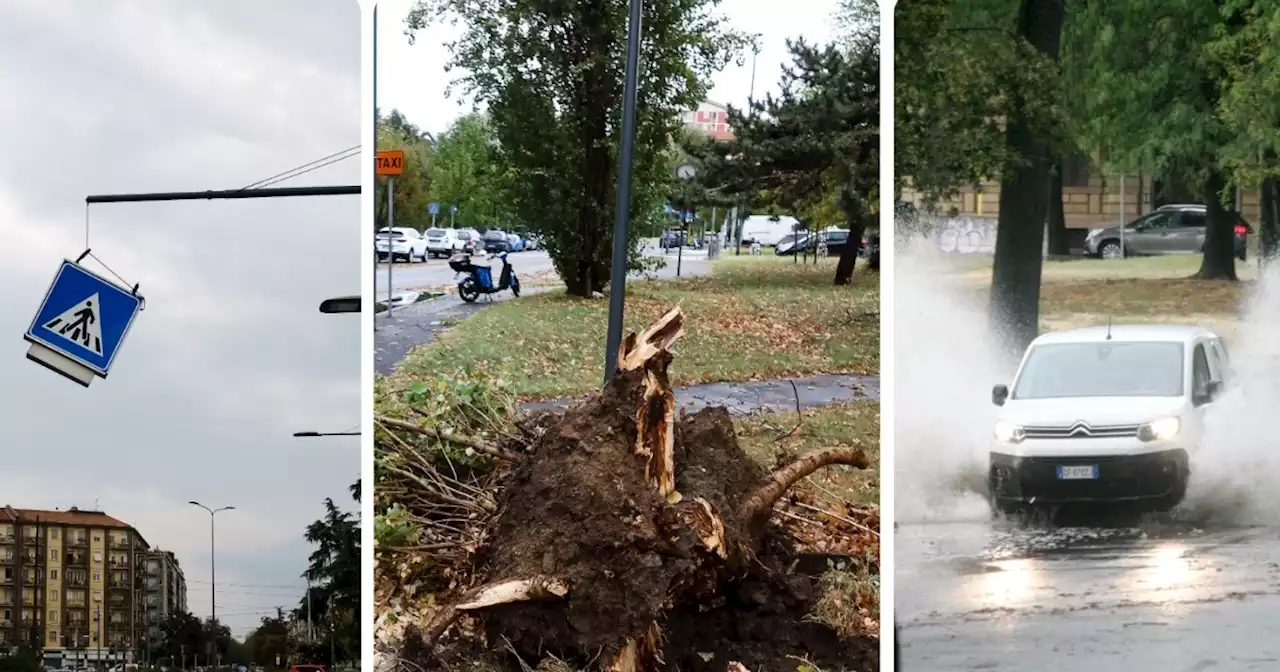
(999, 394)
(1213, 389)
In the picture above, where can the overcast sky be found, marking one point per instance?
(231, 355)
(413, 80)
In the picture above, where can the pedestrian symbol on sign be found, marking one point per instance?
(79, 324)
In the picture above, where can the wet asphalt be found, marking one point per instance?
(1158, 597)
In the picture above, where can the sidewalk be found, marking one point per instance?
(761, 396)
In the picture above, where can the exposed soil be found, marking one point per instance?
(581, 509)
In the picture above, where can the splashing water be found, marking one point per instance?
(1235, 475)
(946, 362)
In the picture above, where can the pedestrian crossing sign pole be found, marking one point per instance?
(81, 323)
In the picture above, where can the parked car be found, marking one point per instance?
(531, 243)
(794, 243)
(400, 243)
(767, 229)
(471, 239)
(495, 240)
(517, 243)
(1171, 229)
(445, 242)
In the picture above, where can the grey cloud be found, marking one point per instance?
(230, 356)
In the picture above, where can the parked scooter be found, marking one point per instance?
(479, 278)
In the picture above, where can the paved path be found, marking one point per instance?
(763, 396)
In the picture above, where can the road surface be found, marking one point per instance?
(436, 274)
(1166, 597)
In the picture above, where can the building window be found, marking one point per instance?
(53, 617)
(53, 533)
(97, 596)
(97, 575)
(53, 575)
(53, 554)
(97, 536)
(53, 595)
(97, 556)
(53, 637)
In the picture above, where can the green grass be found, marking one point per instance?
(852, 424)
(753, 318)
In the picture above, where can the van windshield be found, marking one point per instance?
(1106, 369)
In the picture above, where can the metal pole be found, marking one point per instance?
(684, 233)
(622, 204)
(1122, 222)
(224, 194)
(375, 146)
(391, 237)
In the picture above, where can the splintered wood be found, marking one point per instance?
(656, 417)
(640, 654)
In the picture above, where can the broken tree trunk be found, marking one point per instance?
(634, 512)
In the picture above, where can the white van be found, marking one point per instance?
(767, 229)
(1106, 415)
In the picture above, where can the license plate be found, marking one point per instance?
(1077, 473)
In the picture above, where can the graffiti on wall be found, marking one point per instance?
(966, 235)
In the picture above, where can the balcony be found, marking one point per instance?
(119, 543)
(76, 583)
(31, 559)
(74, 560)
(6, 600)
(6, 538)
(77, 542)
(6, 560)
(32, 580)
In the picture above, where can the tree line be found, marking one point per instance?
(1009, 89)
(543, 158)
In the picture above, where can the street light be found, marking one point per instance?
(312, 435)
(213, 580)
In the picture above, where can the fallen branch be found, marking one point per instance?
(832, 514)
(799, 415)
(448, 436)
(761, 502)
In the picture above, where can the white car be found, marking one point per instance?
(403, 242)
(445, 242)
(1104, 415)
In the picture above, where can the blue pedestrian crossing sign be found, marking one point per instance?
(83, 318)
(433, 208)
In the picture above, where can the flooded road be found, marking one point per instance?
(985, 595)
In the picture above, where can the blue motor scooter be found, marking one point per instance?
(479, 278)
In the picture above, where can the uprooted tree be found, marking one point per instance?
(616, 515)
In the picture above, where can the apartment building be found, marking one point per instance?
(710, 118)
(166, 591)
(71, 584)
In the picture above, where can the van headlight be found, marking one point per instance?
(1007, 432)
(1160, 430)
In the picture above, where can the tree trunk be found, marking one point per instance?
(1024, 196)
(855, 220)
(1269, 229)
(1219, 261)
(1059, 245)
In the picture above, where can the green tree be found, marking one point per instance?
(469, 172)
(1153, 92)
(977, 95)
(181, 634)
(820, 135)
(334, 575)
(557, 122)
(270, 641)
(413, 189)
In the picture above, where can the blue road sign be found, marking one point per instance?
(434, 208)
(84, 317)
(453, 208)
(688, 217)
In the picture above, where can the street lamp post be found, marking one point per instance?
(312, 435)
(213, 578)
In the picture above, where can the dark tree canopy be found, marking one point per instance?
(818, 136)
